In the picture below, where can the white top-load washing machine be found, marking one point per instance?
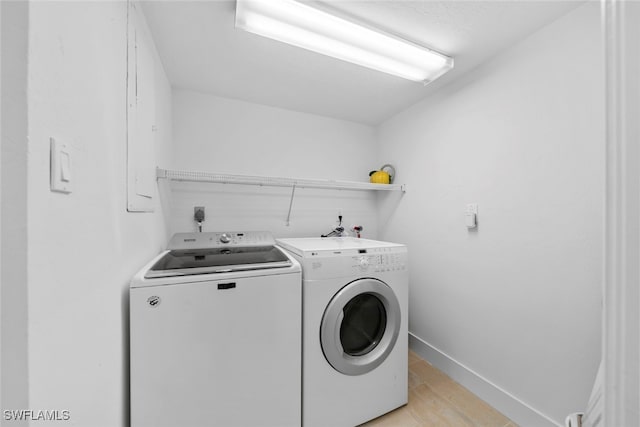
(215, 338)
(355, 298)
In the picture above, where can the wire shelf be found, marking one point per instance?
(269, 181)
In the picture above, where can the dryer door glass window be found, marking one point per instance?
(363, 325)
(360, 326)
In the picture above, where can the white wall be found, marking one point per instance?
(214, 134)
(515, 302)
(13, 205)
(83, 247)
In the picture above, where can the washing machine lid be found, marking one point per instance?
(208, 253)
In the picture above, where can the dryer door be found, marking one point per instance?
(360, 326)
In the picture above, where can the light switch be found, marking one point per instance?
(471, 215)
(65, 166)
(61, 166)
(470, 220)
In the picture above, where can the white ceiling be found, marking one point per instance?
(201, 50)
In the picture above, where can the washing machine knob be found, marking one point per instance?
(225, 238)
(364, 262)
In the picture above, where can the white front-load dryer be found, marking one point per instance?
(354, 351)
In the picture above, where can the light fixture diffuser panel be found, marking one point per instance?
(301, 25)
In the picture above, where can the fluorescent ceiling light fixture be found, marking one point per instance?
(301, 25)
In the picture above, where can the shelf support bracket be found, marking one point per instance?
(293, 192)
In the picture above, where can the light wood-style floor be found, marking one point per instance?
(435, 400)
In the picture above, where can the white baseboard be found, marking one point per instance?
(514, 408)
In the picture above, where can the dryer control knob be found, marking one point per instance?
(225, 238)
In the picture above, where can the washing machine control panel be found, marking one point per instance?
(221, 239)
(378, 260)
(364, 262)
